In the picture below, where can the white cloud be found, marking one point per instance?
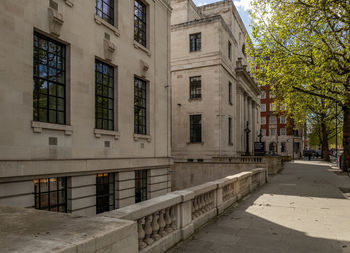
(244, 4)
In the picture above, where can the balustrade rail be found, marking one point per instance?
(165, 220)
(239, 159)
(154, 226)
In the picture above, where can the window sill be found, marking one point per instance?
(142, 48)
(70, 3)
(140, 137)
(39, 126)
(189, 143)
(194, 99)
(100, 21)
(99, 132)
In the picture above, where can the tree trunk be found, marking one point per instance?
(324, 140)
(346, 135)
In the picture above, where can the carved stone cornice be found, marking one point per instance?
(241, 71)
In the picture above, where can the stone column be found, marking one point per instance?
(251, 123)
(253, 106)
(245, 119)
(239, 132)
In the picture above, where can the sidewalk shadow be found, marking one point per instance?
(299, 211)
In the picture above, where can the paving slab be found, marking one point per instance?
(300, 210)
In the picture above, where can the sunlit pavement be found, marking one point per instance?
(300, 210)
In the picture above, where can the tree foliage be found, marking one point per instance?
(302, 48)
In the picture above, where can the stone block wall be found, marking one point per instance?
(81, 190)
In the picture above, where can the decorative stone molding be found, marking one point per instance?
(109, 49)
(99, 132)
(144, 68)
(100, 21)
(70, 3)
(39, 126)
(142, 48)
(55, 21)
(138, 137)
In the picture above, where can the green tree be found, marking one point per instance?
(304, 46)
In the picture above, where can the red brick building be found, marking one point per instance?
(278, 130)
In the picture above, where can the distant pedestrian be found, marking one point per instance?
(310, 154)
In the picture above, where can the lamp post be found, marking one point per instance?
(247, 131)
(260, 135)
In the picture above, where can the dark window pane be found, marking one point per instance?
(105, 10)
(48, 66)
(195, 42)
(104, 93)
(140, 19)
(105, 192)
(43, 101)
(60, 117)
(60, 91)
(140, 185)
(140, 106)
(52, 102)
(195, 87)
(51, 194)
(43, 115)
(195, 128)
(52, 116)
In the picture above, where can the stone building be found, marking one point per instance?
(279, 133)
(85, 103)
(213, 93)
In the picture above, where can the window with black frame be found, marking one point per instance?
(195, 87)
(51, 194)
(195, 128)
(49, 80)
(140, 106)
(195, 42)
(140, 185)
(140, 22)
(104, 96)
(105, 10)
(105, 192)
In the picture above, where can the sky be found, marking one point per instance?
(242, 6)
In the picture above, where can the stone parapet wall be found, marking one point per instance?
(189, 174)
(164, 221)
(34, 231)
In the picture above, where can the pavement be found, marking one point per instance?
(302, 209)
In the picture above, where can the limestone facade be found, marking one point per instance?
(228, 96)
(77, 151)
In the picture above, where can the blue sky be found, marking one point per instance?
(241, 5)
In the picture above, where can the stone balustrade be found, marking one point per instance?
(239, 159)
(164, 221)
